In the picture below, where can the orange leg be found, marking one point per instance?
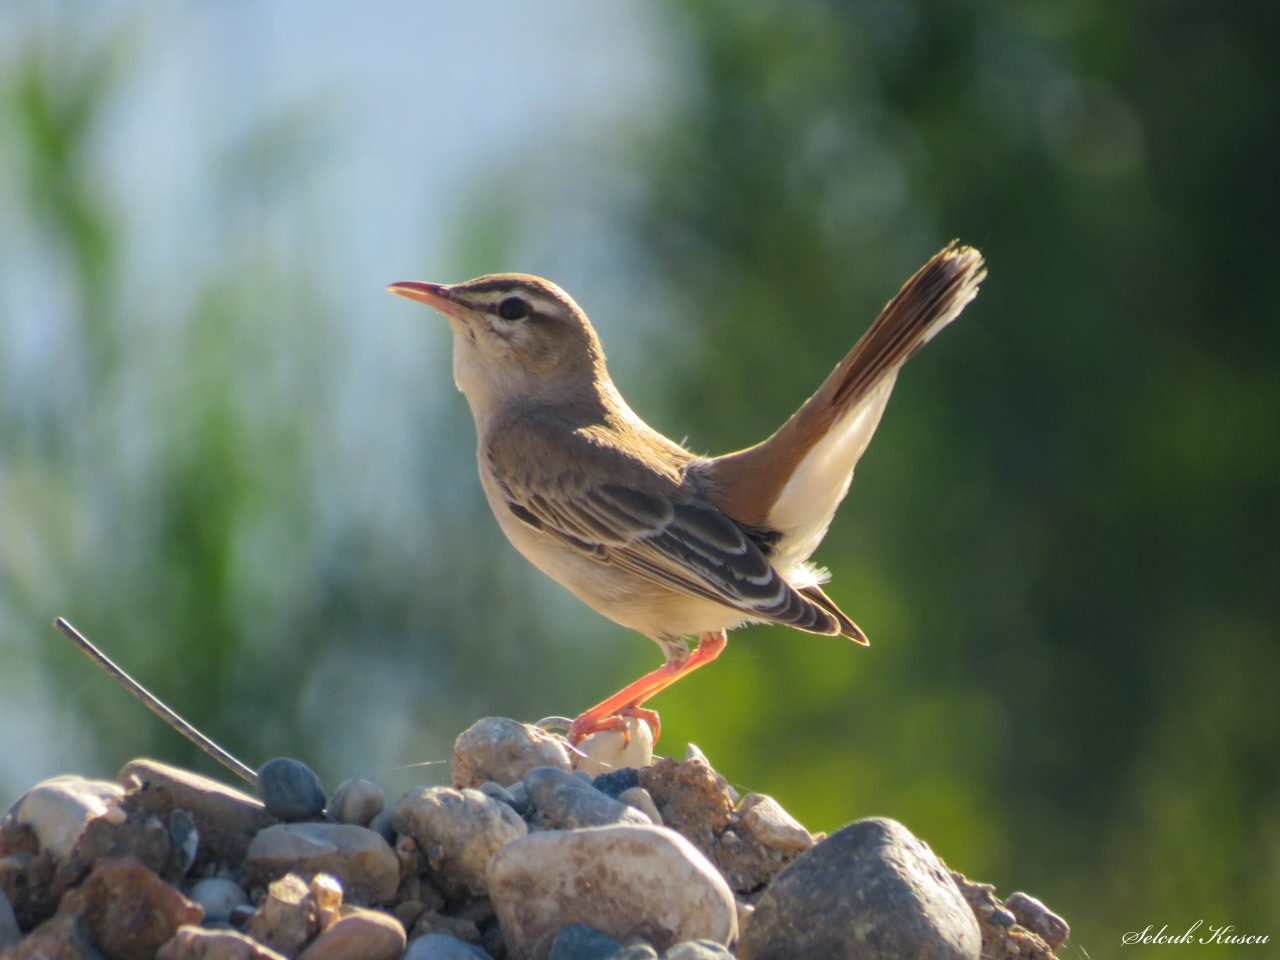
(608, 714)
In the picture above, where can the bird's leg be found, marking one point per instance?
(608, 714)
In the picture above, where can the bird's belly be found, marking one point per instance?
(625, 598)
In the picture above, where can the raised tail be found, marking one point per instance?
(793, 481)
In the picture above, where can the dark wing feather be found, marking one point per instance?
(650, 521)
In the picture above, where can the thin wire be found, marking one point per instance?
(155, 704)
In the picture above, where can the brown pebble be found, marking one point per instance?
(196, 943)
(129, 911)
(358, 935)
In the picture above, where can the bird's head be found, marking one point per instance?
(515, 338)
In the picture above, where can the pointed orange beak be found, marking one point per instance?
(432, 294)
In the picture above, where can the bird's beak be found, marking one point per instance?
(433, 295)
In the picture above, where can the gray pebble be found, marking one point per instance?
(219, 897)
(639, 799)
(496, 790)
(357, 802)
(381, 825)
(698, 950)
(441, 946)
(580, 942)
(615, 782)
(290, 790)
(184, 840)
(870, 891)
(565, 802)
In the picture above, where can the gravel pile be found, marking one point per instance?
(535, 853)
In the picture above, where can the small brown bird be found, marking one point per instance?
(655, 537)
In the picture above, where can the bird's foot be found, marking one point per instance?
(593, 722)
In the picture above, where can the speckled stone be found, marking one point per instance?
(458, 831)
(626, 881)
(290, 790)
(503, 751)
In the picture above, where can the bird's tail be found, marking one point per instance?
(793, 482)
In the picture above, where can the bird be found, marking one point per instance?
(655, 537)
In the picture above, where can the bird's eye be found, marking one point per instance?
(513, 308)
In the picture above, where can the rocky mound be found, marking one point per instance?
(536, 853)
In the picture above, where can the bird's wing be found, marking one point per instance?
(596, 494)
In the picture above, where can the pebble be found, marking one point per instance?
(287, 917)
(60, 809)
(638, 797)
(184, 840)
(381, 825)
(607, 750)
(503, 751)
(1038, 918)
(698, 950)
(441, 946)
(129, 911)
(218, 897)
(691, 797)
(290, 790)
(616, 782)
(357, 802)
(9, 929)
(195, 943)
(491, 788)
(870, 891)
(60, 938)
(458, 831)
(359, 857)
(358, 935)
(565, 802)
(623, 880)
(225, 818)
(766, 823)
(580, 942)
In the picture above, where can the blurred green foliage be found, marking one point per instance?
(1062, 542)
